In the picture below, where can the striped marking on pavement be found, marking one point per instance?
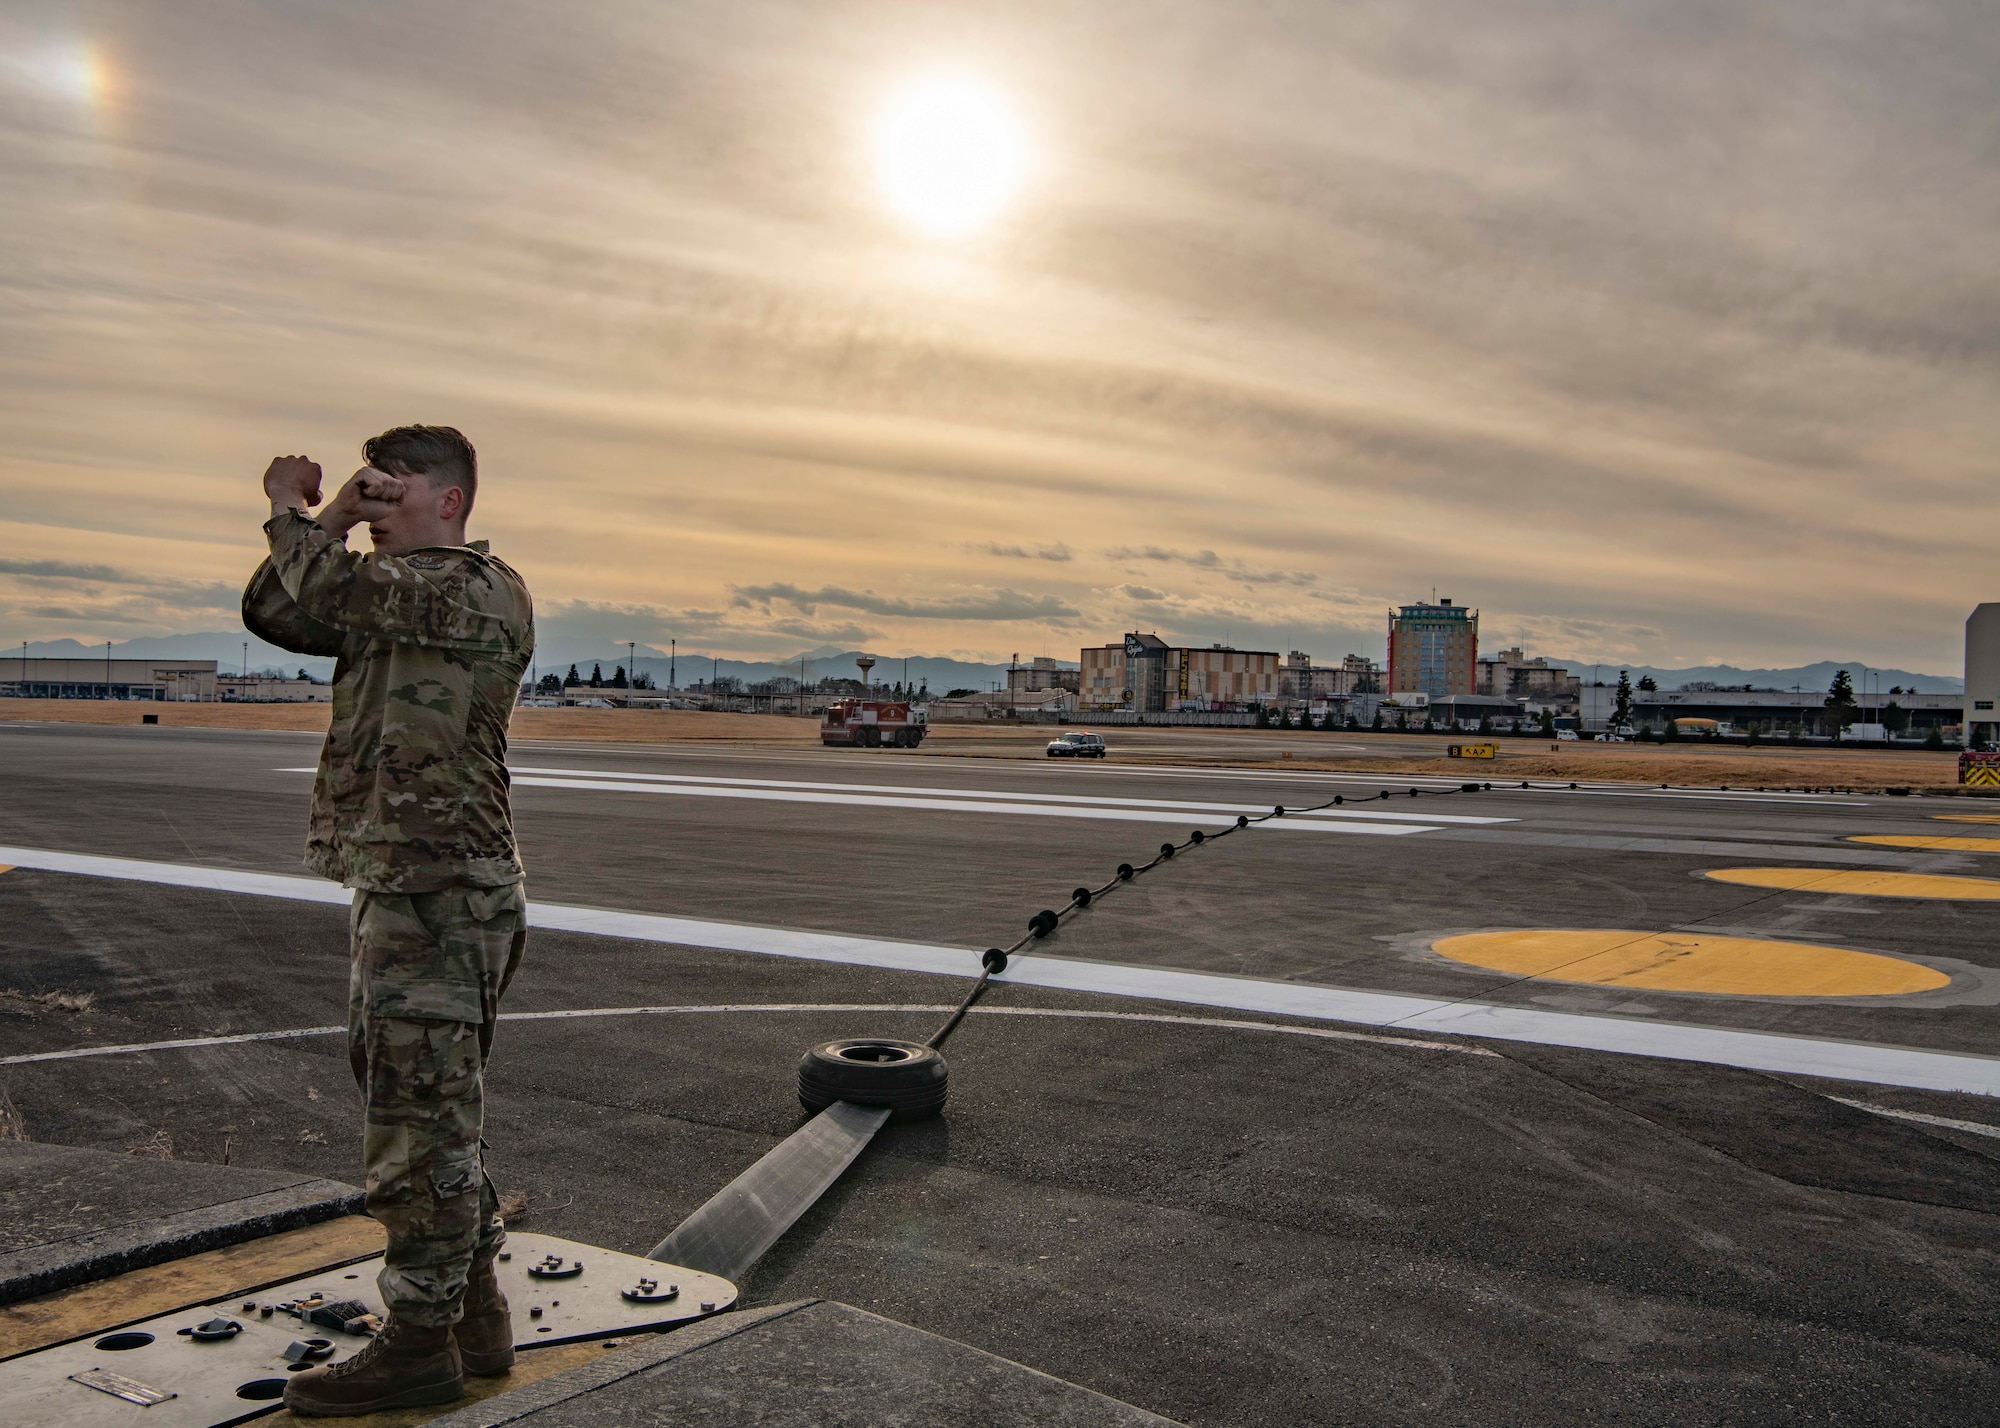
(135, 1048)
(1869, 1062)
(1699, 962)
(1928, 840)
(1228, 809)
(1015, 805)
(1859, 882)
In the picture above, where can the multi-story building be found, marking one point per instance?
(1510, 674)
(1039, 674)
(1433, 649)
(1147, 675)
(1300, 679)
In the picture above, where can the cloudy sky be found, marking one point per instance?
(1660, 332)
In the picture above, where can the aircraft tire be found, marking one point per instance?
(908, 1077)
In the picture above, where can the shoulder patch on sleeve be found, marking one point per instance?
(425, 562)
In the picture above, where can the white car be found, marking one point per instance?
(1077, 746)
(1567, 736)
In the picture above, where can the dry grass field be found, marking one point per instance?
(1719, 765)
(1723, 766)
(183, 716)
(635, 726)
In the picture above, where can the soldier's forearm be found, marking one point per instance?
(335, 525)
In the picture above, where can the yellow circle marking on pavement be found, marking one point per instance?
(1967, 817)
(1929, 840)
(1861, 883)
(1690, 962)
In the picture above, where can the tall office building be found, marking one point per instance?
(1433, 649)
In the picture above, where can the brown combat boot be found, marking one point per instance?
(485, 1332)
(407, 1365)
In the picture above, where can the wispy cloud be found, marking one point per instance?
(734, 629)
(995, 605)
(105, 600)
(63, 570)
(1233, 569)
(1057, 552)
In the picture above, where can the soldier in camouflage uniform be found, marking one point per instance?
(410, 809)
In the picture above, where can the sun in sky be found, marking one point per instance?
(949, 154)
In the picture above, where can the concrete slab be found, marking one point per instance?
(810, 1363)
(69, 1215)
(1220, 1224)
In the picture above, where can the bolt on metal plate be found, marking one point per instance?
(213, 1382)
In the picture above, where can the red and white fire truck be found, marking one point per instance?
(871, 723)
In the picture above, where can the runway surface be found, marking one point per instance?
(1238, 1144)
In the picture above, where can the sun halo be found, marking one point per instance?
(949, 154)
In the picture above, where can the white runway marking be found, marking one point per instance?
(1687, 795)
(1015, 805)
(1975, 1127)
(1224, 772)
(962, 805)
(925, 791)
(81, 1053)
(1761, 1051)
(1054, 768)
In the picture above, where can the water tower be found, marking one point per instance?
(866, 663)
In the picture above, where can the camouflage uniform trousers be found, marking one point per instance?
(428, 973)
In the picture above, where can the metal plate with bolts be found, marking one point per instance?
(560, 1292)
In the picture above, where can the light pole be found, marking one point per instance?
(631, 664)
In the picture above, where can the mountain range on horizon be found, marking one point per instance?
(1818, 675)
(941, 673)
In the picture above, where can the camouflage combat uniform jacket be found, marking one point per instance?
(412, 788)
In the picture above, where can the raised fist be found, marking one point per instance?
(292, 481)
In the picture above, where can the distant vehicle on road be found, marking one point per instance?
(1567, 736)
(1077, 746)
(873, 724)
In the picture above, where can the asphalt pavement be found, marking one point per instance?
(1220, 1222)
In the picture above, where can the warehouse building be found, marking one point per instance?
(1772, 710)
(176, 680)
(263, 689)
(1982, 677)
